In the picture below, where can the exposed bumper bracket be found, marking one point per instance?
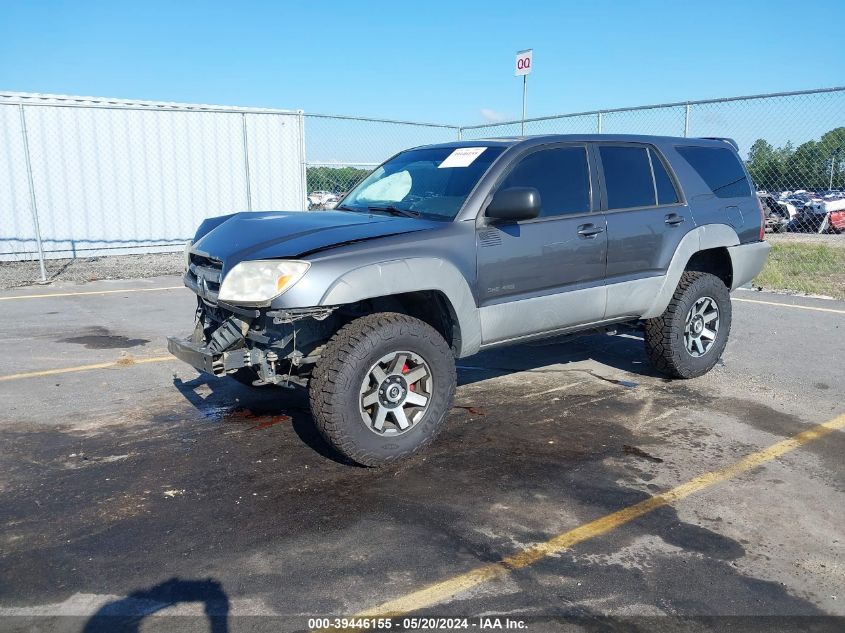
(205, 360)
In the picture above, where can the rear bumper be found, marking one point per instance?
(747, 261)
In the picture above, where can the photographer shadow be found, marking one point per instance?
(127, 614)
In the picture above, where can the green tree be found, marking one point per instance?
(765, 165)
(806, 167)
(833, 146)
(335, 179)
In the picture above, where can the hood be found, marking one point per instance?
(279, 234)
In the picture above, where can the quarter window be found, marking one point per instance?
(719, 168)
(627, 177)
(562, 177)
(666, 193)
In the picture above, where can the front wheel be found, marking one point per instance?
(382, 388)
(688, 339)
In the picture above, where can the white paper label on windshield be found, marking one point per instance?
(462, 157)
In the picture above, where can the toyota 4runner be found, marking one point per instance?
(450, 249)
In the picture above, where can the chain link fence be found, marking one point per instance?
(340, 151)
(794, 147)
(82, 177)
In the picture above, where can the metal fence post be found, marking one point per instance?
(686, 120)
(246, 163)
(598, 122)
(303, 158)
(32, 204)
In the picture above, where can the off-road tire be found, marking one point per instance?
(334, 389)
(664, 335)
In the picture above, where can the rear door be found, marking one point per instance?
(646, 220)
(546, 273)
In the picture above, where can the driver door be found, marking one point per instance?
(548, 273)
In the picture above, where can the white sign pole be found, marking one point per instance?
(523, 67)
(524, 98)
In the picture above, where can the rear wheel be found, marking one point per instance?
(688, 339)
(382, 388)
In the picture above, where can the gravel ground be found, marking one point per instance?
(81, 270)
(837, 241)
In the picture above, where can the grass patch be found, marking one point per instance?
(811, 268)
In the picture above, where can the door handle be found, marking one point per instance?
(673, 219)
(589, 230)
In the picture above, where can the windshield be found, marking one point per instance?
(430, 182)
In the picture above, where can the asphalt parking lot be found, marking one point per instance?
(131, 485)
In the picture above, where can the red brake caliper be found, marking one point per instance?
(405, 370)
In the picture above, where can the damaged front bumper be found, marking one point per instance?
(277, 345)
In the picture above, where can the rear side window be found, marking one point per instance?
(719, 168)
(627, 176)
(562, 177)
(666, 193)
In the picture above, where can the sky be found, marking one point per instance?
(449, 62)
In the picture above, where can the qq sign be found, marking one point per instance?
(523, 62)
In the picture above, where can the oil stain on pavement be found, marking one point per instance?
(102, 338)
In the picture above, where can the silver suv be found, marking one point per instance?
(447, 250)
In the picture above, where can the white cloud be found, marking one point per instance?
(492, 116)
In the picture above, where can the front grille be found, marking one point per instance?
(208, 262)
(206, 273)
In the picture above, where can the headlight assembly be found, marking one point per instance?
(186, 253)
(260, 281)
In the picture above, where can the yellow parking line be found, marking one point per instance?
(123, 362)
(446, 589)
(92, 292)
(789, 305)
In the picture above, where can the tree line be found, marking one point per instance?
(334, 179)
(807, 166)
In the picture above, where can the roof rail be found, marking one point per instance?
(725, 139)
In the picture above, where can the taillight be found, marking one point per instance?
(762, 219)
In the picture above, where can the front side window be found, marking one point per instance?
(627, 176)
(719, 168)
(429, 182)
(561, 175)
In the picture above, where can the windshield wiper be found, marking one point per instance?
(396, 211)
(343, 207)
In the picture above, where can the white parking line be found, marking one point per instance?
(92, 292)
(789, 305)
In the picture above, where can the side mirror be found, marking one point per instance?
(514, 203)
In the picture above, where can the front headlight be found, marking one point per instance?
(186, 253)
(260, 281)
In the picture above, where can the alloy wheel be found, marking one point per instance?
(701, 327)
(395, 393)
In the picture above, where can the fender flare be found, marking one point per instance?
(412, 275)
(698, 239)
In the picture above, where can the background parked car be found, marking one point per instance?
(777, 214)
(322, 200)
